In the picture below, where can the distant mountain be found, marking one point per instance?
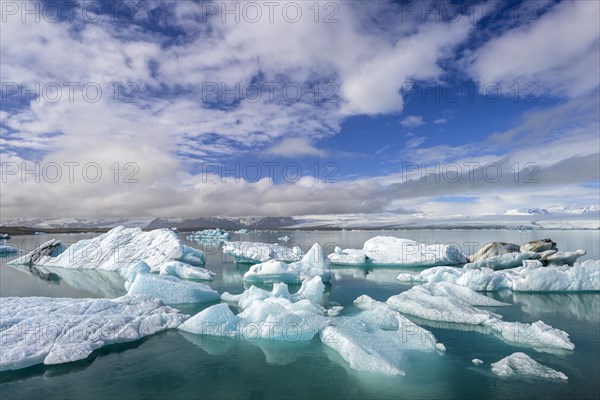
(527, 211)
(223, 222)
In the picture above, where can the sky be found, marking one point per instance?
(283, 108)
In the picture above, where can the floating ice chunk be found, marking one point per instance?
(563, 257)
(116, 249)
(537, 335)
(74, 328)
(440, 347)
(523, 365)
(51, 248)
(377, 339)
(539, 245)
(284, 238)
(185, 271)
(531, 277)
(510, 260)
(314, 263)
(388, 250)
(193, 256)
(273, 315)
(251, 252)
(210, 234)
(5, 248)
(495, 249)
(449, 302)
(130, 272)
(172, 290)
(215, 320)
(120, 249)
(348, 256)
(242, 231)
(477, 361)
(444, 302)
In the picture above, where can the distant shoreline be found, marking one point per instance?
(22, 231)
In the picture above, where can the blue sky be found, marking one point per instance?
(211, 108)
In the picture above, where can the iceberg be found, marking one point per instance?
(531, 277)
(242, 231)
(388, 250)
(314, 263)
(284, 238)
(210, 234)
(51, 248)
(273, 316)
(448, 302)
(347, 256)
(171, 290)
(185, 271)
(520, 364)
(121, 248)
(477, 361)
(377, 339)
(251, 252)
(505, 261)
(500, 255)
(45, 330)
(5, 249)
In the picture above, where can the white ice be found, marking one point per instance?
(377, 339)
(273, 316)
(185, 271)
(210, 234)
(284, 238)
(388, 250)
(171, 290)
(477, 361)
(314, 263)
(251, 252)
(531, 277)
(505, 261)
(448, 302)
(38, 330)
(520, 364)
(121, 248)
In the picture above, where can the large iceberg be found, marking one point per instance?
(171, 290)
(520, 364)
(210, 235)
(45, 330)
(531, 277)
(119, 249)
(377, 339)
(389, 250)
(448, 302)
(251, 252)
(314, 263)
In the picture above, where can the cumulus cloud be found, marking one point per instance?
(201, 88)
(412, 121)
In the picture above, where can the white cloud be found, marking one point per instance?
(557, 54)
(412, 121)
(294, 147)
(440, 121)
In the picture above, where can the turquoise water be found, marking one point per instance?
(174, 364)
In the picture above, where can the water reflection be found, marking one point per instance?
(108, 284)
(582, 306)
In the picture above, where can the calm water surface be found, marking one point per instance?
(174, 364)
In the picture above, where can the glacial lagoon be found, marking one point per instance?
(176, 364)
